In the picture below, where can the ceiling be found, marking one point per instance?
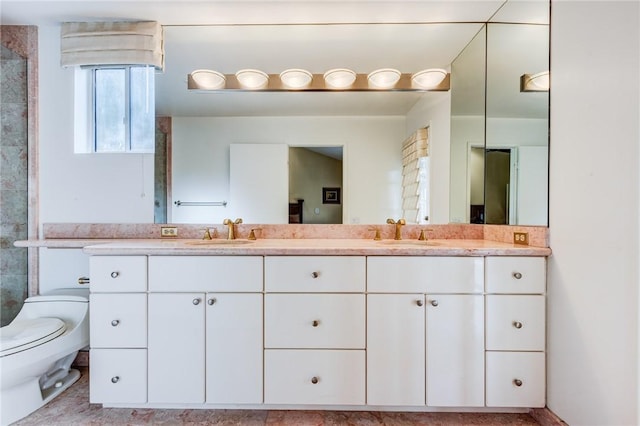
(223, 35)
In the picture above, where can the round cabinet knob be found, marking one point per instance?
(434, 303)
(315, 380)
(115, 323)
(115, 379)
(517, 382)
(115, 274)
(196, 301)
(315, 274)
(419, 302)
(211, 301)
(315, 323)
(517, 275)
(517, 324)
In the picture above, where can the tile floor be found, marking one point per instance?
(73, 408)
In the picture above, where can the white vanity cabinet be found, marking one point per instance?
(118, 329)
(515, 317)
(425, 331)
(368, 332)
(205, 329)
(315, 330)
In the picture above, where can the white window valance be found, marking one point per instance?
(112, 43)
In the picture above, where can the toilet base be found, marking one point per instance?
(27, 398)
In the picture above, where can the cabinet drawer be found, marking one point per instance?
(205, 273)
(314, 377)
(515, 379)
(118, 273)
(515, 323)
(118, 320)
(118, 376)
(315, 321)
(405, 274)
(318, 274)
(515, 274)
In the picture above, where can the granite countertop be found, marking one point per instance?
(341, 247)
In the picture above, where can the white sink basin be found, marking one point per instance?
(409, 243)
(218, 242)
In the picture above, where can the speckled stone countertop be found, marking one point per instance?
(321, 247)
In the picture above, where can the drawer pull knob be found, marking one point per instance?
(211, 301)
(115, 274)
(419, 302)
(83, 280)
(115, 379)
(517, 324)
(196, 301)
(315, 274)
(115, 323)
(315, 323)
(434, 303)
(314, 380)
(517, 275)
(517, 382)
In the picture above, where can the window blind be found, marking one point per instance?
(414, 147)
(112, 43)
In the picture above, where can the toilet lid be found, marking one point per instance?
(26, 333)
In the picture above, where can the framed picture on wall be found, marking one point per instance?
(330, 195)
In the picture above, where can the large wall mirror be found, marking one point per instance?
(499, 131)
(367, 128)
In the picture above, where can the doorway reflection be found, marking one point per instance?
(310, 170)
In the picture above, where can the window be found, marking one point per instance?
(115, 109)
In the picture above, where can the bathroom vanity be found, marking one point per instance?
(340, 324)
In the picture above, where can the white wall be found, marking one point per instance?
(372, 159)
(435, 111)
(517, 131)
(465, 130)
(82, 187)
(594, 196)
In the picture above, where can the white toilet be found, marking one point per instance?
(37, 349)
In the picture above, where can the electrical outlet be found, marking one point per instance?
(168, 231)
(521, 238)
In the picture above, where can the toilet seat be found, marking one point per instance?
(27, 333)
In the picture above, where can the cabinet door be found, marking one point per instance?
(176, 347)
(234, 348)
(395, 349)
(455, 351)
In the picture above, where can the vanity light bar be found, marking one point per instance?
(538, 82)
(317, 84)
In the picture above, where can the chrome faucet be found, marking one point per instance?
(398, 224)
(231, 225)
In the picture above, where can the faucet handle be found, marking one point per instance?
(207, 234)
(238, 220)
(252, 234)
(377, 237)
(391, 221)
